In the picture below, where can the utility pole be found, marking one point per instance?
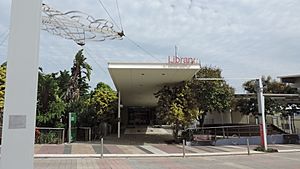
(261, 110)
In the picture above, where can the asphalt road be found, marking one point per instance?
(257, 161)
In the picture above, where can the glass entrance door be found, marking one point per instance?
(139, 116)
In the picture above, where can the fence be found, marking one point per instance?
(84, 134)
(220, 132)
(213, 133)
(283, 123)
(297, 125)
(47, 135)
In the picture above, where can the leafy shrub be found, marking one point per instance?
(269, 150)
(48, 138)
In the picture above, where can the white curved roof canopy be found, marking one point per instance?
(138, 82)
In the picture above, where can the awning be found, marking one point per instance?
(138, 82)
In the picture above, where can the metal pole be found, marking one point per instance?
(102, 147)
(176, 51)
(19, 115)
(183, 148)
(248, 146)
(294, 127)
(119, 115)
(261, 110)
(290, 124)
(69, 129)
(90, 134)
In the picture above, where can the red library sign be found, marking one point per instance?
(182, 60)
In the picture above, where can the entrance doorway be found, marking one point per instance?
(141, 116)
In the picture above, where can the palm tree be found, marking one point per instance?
(63, 82)
(80, 71)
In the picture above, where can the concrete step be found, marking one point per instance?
(146, 130)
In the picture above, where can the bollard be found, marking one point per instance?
(63, 136)
(90, 134)
(248, 146)
(102, 147)
(183, 148)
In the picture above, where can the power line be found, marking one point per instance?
(140, 47)
(119, 14)
(100, 56)
(4, 39)
(88, 53)
(109, 14)
(4, 33)
(136, 44)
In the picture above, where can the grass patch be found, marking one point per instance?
(269, 150)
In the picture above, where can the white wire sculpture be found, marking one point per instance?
(77, 26)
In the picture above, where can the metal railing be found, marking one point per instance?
(86, 134)
(49, 135)
(222, 131)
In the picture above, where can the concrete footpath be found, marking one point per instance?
(85, 150)
(259, 161)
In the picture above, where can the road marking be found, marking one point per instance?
(154, 150)
(219, 148)
(130, 149)
(235, 147)
(237, 165)
(191, 149)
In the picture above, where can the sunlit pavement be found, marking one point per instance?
(258, 161)
(84, 148)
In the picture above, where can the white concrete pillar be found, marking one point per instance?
(119, 114)
(21, 85)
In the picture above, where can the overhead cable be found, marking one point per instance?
(143, 49)
(119, 15)
(90, 55)
(4, 39)
(101, 3)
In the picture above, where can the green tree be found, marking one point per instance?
(63, 80)
(182, 103)
(76, 91)
(176, 106)
(249, 105)
(100, 107)
(272, 105)
(211, 95)
(50, 106)
(2, 89)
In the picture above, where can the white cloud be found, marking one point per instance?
(246, 38)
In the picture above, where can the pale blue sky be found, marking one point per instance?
(245, 38)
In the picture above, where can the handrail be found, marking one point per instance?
(49, 128)
(220, 127)
(89, 132)
(224, 131)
